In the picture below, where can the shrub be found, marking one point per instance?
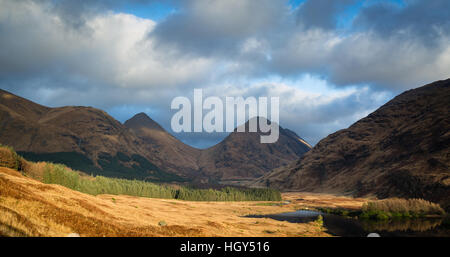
(396, 215)
(340, 211)
(382, 216)
(364, 215)
(319, 220)
(9, 158)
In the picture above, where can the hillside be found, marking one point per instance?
(90, 140)
(401, 149)
(241, 155)
(170, 153)
(84, 138)
(31, 208)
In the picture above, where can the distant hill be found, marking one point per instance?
(241, 155)
(401, 149)
(170, 153)
(84, 138)
(90, 140)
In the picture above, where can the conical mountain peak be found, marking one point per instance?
(142, 120)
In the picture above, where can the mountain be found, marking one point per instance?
(90, 140)
(170, 153)
(241, 155)
(401, 149)
(84, 138)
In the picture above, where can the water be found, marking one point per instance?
(351, 227)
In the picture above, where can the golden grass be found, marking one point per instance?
(302, 200)
(31, 208)
(9, 158)
(397, 205)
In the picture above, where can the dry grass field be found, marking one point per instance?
(31, 208)
(302, 200)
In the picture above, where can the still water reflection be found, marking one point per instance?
(343, 226)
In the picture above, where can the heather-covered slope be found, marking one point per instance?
(84, 138)
(401, 149)
(90, 140)
(169, 152)
(242, 156)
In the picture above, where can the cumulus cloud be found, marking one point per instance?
(392, 63)
(111, 50)
(254, 38)
(424, 20)
(206, 27)
(67, 52)
(310, 106)
(321, 13)
(364, 58)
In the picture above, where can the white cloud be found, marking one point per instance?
(237, 47)
(398, 63)
(110, 48)
(309, 105)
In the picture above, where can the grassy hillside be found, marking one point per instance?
(111, 166)
(62, 175)
(29, 207)
(399, 150)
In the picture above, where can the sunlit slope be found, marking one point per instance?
(399, 150)
(31, 208)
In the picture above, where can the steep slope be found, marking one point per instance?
(31, 208)
(242, 156)
(90, 140)
(84, 138)
(401, 149)
(170, 153)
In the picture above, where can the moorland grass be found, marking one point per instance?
(60, 174)
(400, 208)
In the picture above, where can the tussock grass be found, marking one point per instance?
(400, 208)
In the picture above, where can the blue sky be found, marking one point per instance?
(330, 62)
(155, 11)
(158, 10)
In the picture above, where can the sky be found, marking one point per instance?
(331, 62)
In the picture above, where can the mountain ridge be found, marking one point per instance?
(230, 159)
(401, 150)
(247, 149)
(90, 139)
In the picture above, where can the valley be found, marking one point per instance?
(399, 150)
(386, 172)
(31, 208)
(90, 140)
